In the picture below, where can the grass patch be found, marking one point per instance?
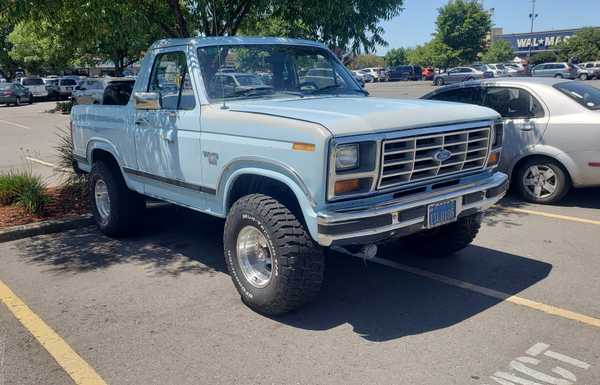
(24, 189)
(72, 183)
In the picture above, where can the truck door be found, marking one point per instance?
(168, 139)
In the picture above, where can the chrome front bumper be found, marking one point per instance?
(370, 224)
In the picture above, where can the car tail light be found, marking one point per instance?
(7, 93)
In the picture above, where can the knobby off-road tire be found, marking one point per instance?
(446, 240)
(116, 209)
(296, 261)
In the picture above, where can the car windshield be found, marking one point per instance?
(273, 70)
(584, 94)
(33, 82)
(68, 82)
(52, 82)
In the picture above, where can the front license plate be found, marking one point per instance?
(441, 213)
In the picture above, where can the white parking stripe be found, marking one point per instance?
(15, 124)
(48, 164)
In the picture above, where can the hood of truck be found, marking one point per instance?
(344, 116)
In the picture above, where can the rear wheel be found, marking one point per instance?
(273, 262)
(542, 180)
(446, 240)
(439, 82)
(583, 77)
(558, 76)
(116, 209)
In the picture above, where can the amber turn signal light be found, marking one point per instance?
(346, 186)
(493, 159)
(303, 147)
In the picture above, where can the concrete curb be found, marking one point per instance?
(45, 227)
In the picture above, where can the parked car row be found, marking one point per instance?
(14, 93)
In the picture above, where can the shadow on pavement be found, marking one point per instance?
(379, 302)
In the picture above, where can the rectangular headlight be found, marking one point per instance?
(347, 157)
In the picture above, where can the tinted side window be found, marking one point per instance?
(171, 80)
(513, 103)
(470, 95)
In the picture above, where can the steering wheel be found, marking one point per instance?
(312, 86)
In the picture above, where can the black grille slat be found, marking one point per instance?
(408, 160)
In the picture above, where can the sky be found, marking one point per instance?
(417, 22)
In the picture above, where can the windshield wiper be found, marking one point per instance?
(335, 86)
(326, 88)
(253, 91)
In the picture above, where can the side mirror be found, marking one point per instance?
(146, 100)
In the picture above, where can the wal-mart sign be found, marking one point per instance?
(521, 43)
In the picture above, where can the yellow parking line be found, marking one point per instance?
(554, 216)
(79, 370)
(549, 309)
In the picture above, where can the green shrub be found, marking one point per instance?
(64, 107)
(24, 189)
(72, 182)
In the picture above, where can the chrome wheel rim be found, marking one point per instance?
(102, 200)
(254, 256)
(540, 181)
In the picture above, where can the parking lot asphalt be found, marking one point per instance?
(521, 304)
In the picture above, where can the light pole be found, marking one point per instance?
(532, 16)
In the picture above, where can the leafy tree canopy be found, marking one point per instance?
(462, 27)
(584, 45)
(498, 52)
(542, 57)
(122, 30)
(395, 57)
(366, 61)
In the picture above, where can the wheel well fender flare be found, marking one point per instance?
(303, 198)
(545, 151)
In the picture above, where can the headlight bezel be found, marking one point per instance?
(365, 171)
(347, 147)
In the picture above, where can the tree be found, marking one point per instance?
(542, 57)
(462, 27)
(583, 45)
(365, 61)
(36, 49)
(498, 52)
(7, 65)
(395, 57)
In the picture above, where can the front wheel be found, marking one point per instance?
(439, 82)
(116, 209)
(542, 181)
(273, 262)
(583, 77)
(446, 240)
(558, 76)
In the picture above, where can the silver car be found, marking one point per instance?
(555, 70)
(552, 131)
(460, 74)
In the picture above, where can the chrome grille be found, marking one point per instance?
(411, 159)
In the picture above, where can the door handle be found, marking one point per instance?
(141, 122)
(169, 136)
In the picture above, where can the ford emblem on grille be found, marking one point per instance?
(442, 155)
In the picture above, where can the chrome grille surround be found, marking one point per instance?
(411, 159)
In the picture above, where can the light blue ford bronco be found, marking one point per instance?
(278, 137)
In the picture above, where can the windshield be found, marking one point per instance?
(584, 94)
(270, 71)
(33, 82)
(51, 82)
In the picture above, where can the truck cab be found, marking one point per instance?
(278, 138)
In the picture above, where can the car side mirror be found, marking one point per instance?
(146, 100)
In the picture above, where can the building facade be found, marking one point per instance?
(523, 43)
